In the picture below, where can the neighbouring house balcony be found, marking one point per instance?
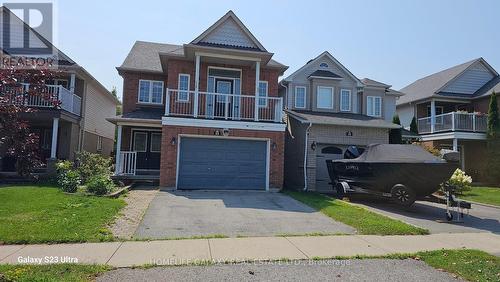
(453, 121)
(68, 101)
(207, 105)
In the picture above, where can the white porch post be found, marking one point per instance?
(433, 115)
(196, 86)
(118, 149)
(455, 144)
(55, 129)
(257, 79)
(72, 83)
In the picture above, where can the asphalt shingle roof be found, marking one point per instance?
(344, 119)
(149, 113)
(371, 82)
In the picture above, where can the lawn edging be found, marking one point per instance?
(365, 221)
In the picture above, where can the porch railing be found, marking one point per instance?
(50, 93)
(454, 121)
(127, 163)
(223, 106)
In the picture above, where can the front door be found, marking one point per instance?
(147, 144)
(223, 103)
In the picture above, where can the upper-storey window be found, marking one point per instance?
(345, 100)
(323, 65)
(263, 92)
(374, 106)
(300, 97)
(183, 87)
(150, 92)
(324, 97)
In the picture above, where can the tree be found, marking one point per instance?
(413, 125)
(113, 92)
(395, 119)
(493, 142)
(16, 138)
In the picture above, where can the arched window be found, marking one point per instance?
(331, 150)
(323, 65)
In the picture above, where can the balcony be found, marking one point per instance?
(206, 105)
(454, 121)
(68, 101)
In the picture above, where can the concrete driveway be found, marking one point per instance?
(232, 213)
(432, 216)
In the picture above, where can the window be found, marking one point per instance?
(300, 97)
(155, 142)
(331, 150)
(263, 93)
(140, 141)
(374, 106)
(345, 100)
(99, 143)
(183, 96)
(47, 139)
(323, 65)
(324, 97)
(150, 92)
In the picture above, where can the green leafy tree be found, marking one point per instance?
(493, 145)
(413, 125)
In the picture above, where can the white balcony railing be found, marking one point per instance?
(68, 101)
(127, 163)
(223, 106)
(454, 121)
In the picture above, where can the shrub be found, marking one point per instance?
(67, 178)
(100, 185)
(461, 181)
(90, 164)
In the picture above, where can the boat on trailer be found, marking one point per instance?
(404, 173)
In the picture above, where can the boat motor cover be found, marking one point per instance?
(395, 153)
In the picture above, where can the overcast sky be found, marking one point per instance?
(395, 42)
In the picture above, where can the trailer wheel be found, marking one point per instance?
(449, 216)
(403, 195)
(339, 189)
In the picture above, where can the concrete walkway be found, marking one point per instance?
(178, 252)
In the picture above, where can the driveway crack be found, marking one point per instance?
(297, 248)
(119, 246)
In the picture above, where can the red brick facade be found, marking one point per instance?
(169, 151)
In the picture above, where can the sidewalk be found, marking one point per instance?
(177, 252)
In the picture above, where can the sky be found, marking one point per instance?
(395, 42)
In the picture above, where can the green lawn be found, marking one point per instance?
(486, 195)
(365, 221)
(41, 214)
(55, 272)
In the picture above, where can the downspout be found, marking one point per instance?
(286, 94)
(305, 156)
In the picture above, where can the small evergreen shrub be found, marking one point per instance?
(100, 185)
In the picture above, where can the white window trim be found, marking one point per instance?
(305, 97)
(373, 104)
(333, 97)
(264, 97)
(349, 103)
(151, 142)
(179, 87)
(133, 141)
(150, 92)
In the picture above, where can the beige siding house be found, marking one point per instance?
(327, 110)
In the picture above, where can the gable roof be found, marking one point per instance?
(230, 32)
(374, 83)
(430, 85)
(325, 74)
(320, 56)
(145, 56)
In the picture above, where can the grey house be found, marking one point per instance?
(327, 109)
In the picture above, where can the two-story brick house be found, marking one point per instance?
(451, 109)
(328, 109)
(202, 115)
(79, 123)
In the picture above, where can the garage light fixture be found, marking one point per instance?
(274, 146)
(313, 146)
(173, 141)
